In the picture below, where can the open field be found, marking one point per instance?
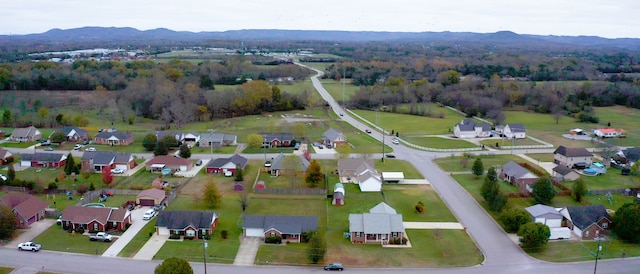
(335, 88)
(438, 142)
(611, 180)
(461, 163)
(411, 125)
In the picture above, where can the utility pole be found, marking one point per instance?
(598, 249)
(204, 255)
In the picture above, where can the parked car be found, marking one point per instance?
(199, 163)
(297, 146)
(101, 236)
(390, 156)
(86, 142)
(29, 246)
(267, 163)
(117, 171)
(228, 173)
(45, 142)
(329, 146)
(77, 147)
(3, 177)
(334, 266)
(149, 214)
(320, 147)
(90, 149)
(48, 149)
(367, 130)
(580, 165)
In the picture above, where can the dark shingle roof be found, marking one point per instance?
(284, 224)
(43, 157)
(562, 170)
(277, 162)
(67, 130)
(516, 127)
(180, 219)
(632, 154)
(332, 134)
(102, 158)
(118, 135)
(268, 137)
(584, 216)
(572, 151)
(514, 170)
(236, 159)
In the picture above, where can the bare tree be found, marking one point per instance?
(244, 200)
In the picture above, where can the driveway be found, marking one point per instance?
(29, 234)
(151, 247)
(136, 225)
(247, 252)
(194, 171)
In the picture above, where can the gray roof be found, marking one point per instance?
(514, 170)
(383, 207)
(236, 159)
(118, 135)
(268, 137)
(43, 157)
(585, 216)
(375, 223)
(161, 134)
(470, 125)
(516, 127)
(572, 151)
(216, 137)
(278, 161)
(24, 132)
(180, 219)
(632, 154)
(67, 130)
(353, 163)
(284, 224)
(331, 134)
(562, 170)
(543, 211)
(102, 158)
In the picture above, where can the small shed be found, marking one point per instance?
(238, 186)
(150, 197)
(392, 177)
(338, 194)
(261, 185)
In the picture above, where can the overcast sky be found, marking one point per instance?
(605, 18)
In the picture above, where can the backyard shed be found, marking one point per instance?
(338, 194)
(238, 186)
(260, 185)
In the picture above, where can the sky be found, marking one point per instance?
(609, 19)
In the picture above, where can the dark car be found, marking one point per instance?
(580, 165)
(390, 156)
(367, 130)
(199, 163)
(334, 266)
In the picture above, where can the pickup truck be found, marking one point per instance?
(29, 246)
(101, 236)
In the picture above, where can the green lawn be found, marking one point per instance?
(438, 142)
(18, 144)
(507, 142)
(335, 88)
(574, 251)
(460, 163)
(391, 165)
(406, 124)
(57, 239)
(542, 157)
(116, 200)
(139, 240)
(403, 199)
(611, 180)
(5, 270)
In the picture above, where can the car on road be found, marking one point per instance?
(90, 149)
(117, 171)
(149, 214)
(334, 266)
(390, 156)
(29, 246)
(48, 149)
(395, 141)
(367, 130)
(341, 114)
(77, 147)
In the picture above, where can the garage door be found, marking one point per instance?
(147, 202)
(254, 232)
(123, 167)
(183, 168)
(25, 163)
(163, 231)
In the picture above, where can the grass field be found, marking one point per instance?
(391, 165)
(438, 142)
(5, 270)
(611, 180)
(461, 163)
(335, 88)
(57, 239)
(411, 125)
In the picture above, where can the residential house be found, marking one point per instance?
(185, 138)
(73, 134)
(276, 139)
(217, 140)
(46, 160)
(514, 131)
(587, 221)
(113, 138)
(550, 217)
(186, 223)
(97, 160)
(160, 162)
(608, 132)
(95, 218)
(468, 128)
(333, 137)
(6, 156)
(151, 197)
(380, 226)
(288, 228)
(629, 155)
(568, 156)
(222, 165)
(338, 194)
(518, 176)
(27, 208)
(347, 167)
(278, 166)
(563, 173)
(26, 134)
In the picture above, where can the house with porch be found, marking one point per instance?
(587, 221)
(568, 156)
(186, 223)
(26, 134)
(113, 138)
(518, 176)
(27, 208)
(468, 128)
(288, 228)
(222, 165)
(46, 160)
(381, 225)
(97, 160)
(278, 167)
(73, 134)
(95, 218)
(276, 139)
(333, 137)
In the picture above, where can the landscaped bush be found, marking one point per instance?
(224, 234)
(174, 237)
(52, 186)
(273, 240)
(79, 230)
(207, 236)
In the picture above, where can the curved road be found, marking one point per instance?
(501, 254)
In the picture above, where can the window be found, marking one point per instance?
(358, 234)
(586, 234)
(95, 226)
(394, 234)
(605, 225)
(273, 234)
(191, 233)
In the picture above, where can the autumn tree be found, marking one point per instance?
(8, 222)
(211, 196)
(314, 174)
(107, 176)
(254, 140)
(149, 142)
(449, 77)
(185, 151)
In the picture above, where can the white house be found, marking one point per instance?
(514, 131)
(369, 181)
(468, 128)
(608, 132)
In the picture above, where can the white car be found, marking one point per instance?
(149, 214)
(117, 171)
(77, 147)
(29, 246)
(228, 173)
(3, 177)
(395, 141)
(90, 149)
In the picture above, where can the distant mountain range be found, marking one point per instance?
(113, 34)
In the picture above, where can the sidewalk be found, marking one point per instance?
(136, 225)
(151, 247)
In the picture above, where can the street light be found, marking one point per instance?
(205, 255)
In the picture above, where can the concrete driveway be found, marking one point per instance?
(193, 171)
(136, 225)
(247, 252)
(29, 234)
(151, 247)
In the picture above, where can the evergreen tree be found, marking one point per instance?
(185, 151)
(161, 149)
(579, 189)
(317, 248)
(477, 168)
(174, 266)
(69, 166)
(543, 191)
(533, 236)
(11, 174)
(239, 177)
